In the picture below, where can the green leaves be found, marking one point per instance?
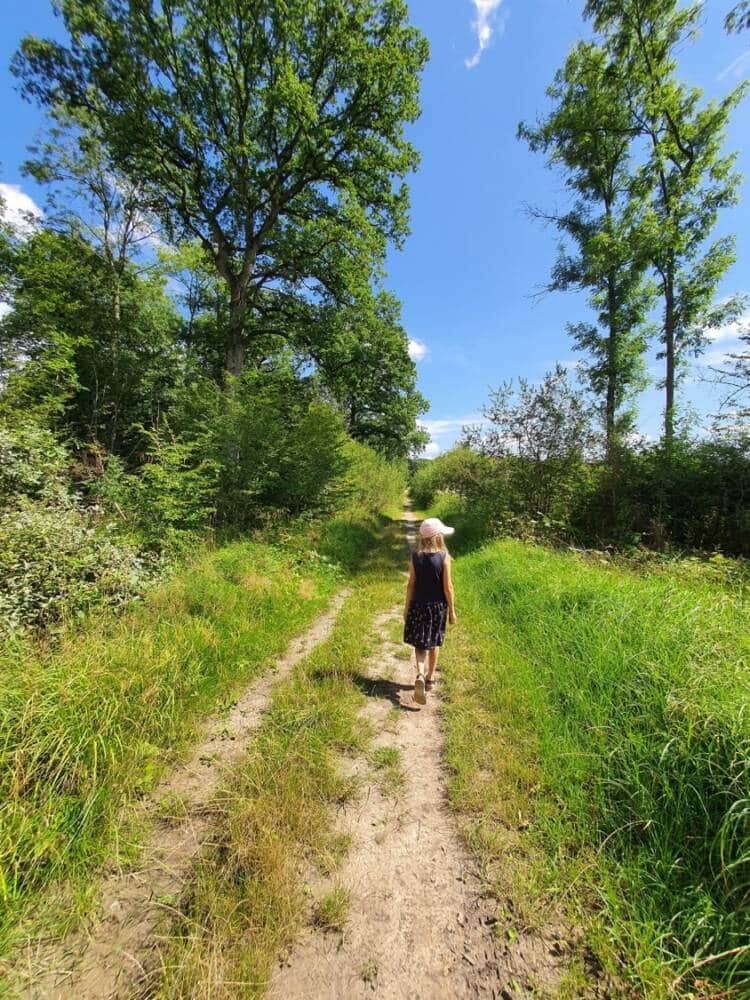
(244, 122)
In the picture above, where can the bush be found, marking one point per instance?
(57, 558)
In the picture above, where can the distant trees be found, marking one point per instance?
(644, 157)
(686, 176)
(589, 133)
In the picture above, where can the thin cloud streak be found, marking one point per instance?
(484, 26)
(735, 67)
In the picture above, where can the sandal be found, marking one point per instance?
(430, 682)
(419, 690)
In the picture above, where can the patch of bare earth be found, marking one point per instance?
(107, 958)
(420, 924)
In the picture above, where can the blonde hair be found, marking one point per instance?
(435, 543)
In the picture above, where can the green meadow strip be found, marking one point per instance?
(600, 748)
(87, 726)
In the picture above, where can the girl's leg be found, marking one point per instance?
(419, 688)
(420, 655)
(432, 661)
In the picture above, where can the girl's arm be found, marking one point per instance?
(448, 590)
(409, 588)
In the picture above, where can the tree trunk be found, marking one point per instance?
(669, 351)
(234, 355)
(611, 401)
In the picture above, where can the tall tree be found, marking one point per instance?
(262, 129)
(686, 171)
(589, 133)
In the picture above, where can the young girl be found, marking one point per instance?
(429, 601)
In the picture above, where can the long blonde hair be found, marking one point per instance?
(435, 543)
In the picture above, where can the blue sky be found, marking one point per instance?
(468, 273)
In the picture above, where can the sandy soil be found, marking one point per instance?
(104, 960)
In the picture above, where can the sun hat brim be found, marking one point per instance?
(432, 526)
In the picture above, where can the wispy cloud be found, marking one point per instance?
(736, 68)
(418, 350)
(484, 24)
(20, 211)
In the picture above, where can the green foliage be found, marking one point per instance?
(66, 356)
(272, 442)
(622, 698)
(587, 134)
(57, 559)
(686, 177)
(281, 149)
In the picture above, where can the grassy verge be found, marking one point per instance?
(247, 900)
(88, 724)
(601, 753)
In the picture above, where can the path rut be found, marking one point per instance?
(103, 961)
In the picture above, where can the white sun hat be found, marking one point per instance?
(432, 526)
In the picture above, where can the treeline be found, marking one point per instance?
(642, 155)
(198, 333)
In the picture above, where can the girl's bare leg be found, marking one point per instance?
(432, 662)
(420, 655)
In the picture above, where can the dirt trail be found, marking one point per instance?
(420, 923)
(104, 961)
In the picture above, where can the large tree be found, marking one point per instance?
(265, 130)
(689, 176)
(589, 134)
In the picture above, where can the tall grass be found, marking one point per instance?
(87, 725)
(621, 699)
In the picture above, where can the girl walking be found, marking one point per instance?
(429, 601)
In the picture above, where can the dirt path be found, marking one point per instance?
(420, 924)
(103, 962)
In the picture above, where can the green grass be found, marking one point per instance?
(88, 724)
(332, 909)
(246, 900)
(600, 744)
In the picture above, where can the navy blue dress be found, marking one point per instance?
(427, 616)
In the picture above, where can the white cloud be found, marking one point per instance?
(730, 331)
(444, 431)
(736, 67)
(21, 212)
(418, 350)
(484, 25)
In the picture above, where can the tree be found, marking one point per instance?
(590, 134)
(738, 17)
(688, 178)
(266, 131)
(545, 429)
(63, 353)
(89, 197)
(363, 361)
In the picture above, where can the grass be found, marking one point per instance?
(87, 725)
(247, 901)
(600, 749)
(332, 909)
